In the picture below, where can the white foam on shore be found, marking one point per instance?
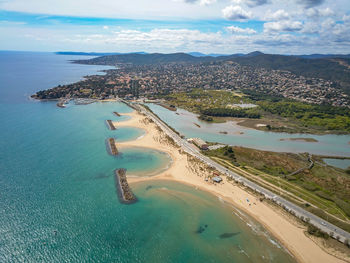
(140, 137)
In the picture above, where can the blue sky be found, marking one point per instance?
(208, 26)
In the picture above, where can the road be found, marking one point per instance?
(292, 208)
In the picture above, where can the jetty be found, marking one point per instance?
(125, 194)
(116, 114)
(61, 102)
(112, 148)
(110, 125)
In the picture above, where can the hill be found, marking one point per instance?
(144, 59)
(334, 69)
(97, 54)
(328, 67)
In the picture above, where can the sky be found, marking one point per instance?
(167, 26)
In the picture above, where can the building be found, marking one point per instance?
(217, 179)
(200, 143)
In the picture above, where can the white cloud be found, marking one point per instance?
(137, 9)
(311, 28)
(322, 25)
(236, 13)
(278, 15)
(310, 3)
(282, 26)
(239, 30)
(250, 3)
(315, 13)
(207, 2)
(201, 2)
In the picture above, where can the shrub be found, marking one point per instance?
(312, 230)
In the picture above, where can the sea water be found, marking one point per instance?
(58, 195)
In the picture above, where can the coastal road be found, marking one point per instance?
(190, 148)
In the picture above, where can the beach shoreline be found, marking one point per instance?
(186, 169)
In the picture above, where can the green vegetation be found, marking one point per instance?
(224, 112)
(145, 59)
(198, 100)
(312, 230)
(326, 188)
(329, 69)
(329, 117)
(279, 114)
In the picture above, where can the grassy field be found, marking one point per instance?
(323, 190)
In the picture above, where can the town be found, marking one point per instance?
(134, 81)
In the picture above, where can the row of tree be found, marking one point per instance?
(225, 112)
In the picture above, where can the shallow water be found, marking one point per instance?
(190, 225)
(336, 145)
(123, 134)
(58, 195)
(342, 164)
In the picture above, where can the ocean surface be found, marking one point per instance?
(58, 195)
(184, 122)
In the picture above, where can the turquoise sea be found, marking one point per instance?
(58, 196)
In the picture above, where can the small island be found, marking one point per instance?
(299, 139)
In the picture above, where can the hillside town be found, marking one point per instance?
(149, 80)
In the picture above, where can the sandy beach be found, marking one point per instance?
(186, 169)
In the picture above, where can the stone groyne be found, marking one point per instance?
(116, 114)
(124, 192)
(111, 147)
(110, 125)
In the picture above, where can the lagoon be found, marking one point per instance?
(184, 122)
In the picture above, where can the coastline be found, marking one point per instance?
(187, 170)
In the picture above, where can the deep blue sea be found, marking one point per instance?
(58, 200)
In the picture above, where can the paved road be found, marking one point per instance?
(298, 211)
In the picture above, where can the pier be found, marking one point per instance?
(110, 125)
(61, 102)
(125, 194)
(112, 147)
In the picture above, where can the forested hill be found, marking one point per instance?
(144, 59)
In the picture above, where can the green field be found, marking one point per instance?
(323, 190)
